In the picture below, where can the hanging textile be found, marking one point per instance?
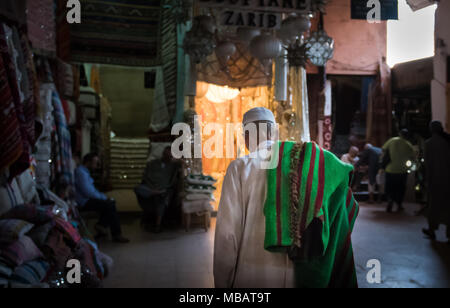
(63, 147)
(327, 126)
(11, 146)
(181, 73)
(9, 53)
(160, 114)
(379, 113)
(94, 80)
(105, 134)
(120, 32)
(43, 152)
(169, 55)
(41, 24)
(300, 105)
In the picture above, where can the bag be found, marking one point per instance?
(385, 160)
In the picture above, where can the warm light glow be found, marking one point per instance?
(412, 36)
(218, 94)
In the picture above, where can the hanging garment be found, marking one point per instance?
(22, 162)
(43, 150)
(310, 213)
(240, 232)
(11, 146)
(160, 114)
(63, 147)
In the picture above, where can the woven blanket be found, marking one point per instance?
(123, 32)
(310, 213)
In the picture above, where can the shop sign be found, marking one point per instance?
(265, 14)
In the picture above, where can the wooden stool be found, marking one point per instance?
(206, 220)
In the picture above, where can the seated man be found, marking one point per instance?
(90, 199)
(157, 190)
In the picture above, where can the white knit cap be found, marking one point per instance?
(258, 114)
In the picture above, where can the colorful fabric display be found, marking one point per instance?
(68, 230)
(21, 251)
(31, 272)
(9, 197)
(200, 206)
(32, 213)
(7, 50)
(310, 213)
(56, 249)
(13, 229)
(40, 234)
(63, 163)
(10, 134)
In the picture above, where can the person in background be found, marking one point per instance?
(370, 157)
(89, 198)
(158, 188)
(401, 153)
(351, 157)
(437, 164)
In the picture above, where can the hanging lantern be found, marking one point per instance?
(224, 52)
(320, 48)
(246, 35)
(297, 54)
(202, 89)
(293, 27)
(265, 48)
(218, 94)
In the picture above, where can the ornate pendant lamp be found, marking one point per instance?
(320, 46)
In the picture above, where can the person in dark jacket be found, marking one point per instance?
(437, 162)
(370, 157)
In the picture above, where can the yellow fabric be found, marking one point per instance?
(299, 105)
(229, 112)
(95, 79)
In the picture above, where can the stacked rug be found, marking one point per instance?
(39, 234)
(128, 162)
(199, 194)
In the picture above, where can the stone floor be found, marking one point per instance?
(178, 259)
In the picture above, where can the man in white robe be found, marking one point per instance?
(240, 260)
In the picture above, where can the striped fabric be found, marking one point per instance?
(120, 32)
(63, 163)
(310, 213)
(12, 146)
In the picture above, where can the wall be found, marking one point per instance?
(359, 45)
(131, 102)
(439, 85)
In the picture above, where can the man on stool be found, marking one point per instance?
(90, 199)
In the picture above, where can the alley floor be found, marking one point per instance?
(177, 259)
